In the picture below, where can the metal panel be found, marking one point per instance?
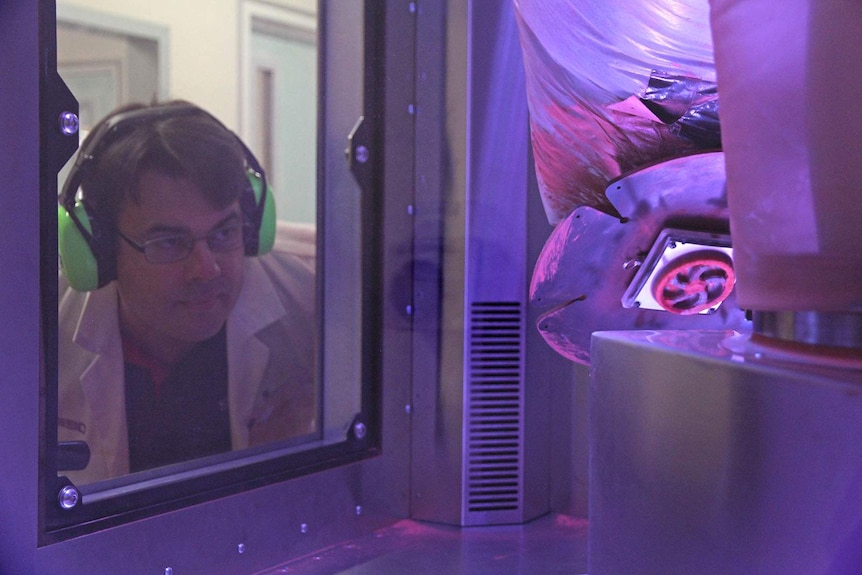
(19, 293)
(438, 275)
(713, 454)
(470, 409)
(494, 439)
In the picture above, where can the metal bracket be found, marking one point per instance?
(358, 153)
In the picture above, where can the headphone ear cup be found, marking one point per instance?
(77, 260)
(264, 235)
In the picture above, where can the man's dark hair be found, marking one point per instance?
(186, 144)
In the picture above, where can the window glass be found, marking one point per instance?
(197, 332)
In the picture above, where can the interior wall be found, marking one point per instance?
(204, 44)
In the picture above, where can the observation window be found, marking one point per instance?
(143, 412)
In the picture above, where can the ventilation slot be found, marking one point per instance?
(493, 434)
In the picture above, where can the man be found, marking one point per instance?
(191, 344)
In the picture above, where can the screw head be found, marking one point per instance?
(68, 497)
(632, 263)
(362, 154)
(69, 123)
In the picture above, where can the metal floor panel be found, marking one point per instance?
(553, 544)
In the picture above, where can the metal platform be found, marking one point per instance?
(553, 544)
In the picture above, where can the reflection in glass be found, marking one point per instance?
(282, 116)
(166, 362)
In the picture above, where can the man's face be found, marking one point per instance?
(168, 307)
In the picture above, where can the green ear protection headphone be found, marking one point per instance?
(86, 243)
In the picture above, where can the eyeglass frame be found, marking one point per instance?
(192, 240)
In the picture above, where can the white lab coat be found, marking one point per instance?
(271, 350)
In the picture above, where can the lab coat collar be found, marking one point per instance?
(257, 307)
(98, 332)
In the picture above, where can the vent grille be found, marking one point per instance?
(494, 410)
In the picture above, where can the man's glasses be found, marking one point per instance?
(173, 248)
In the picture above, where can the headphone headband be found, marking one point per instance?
(113, 126)
(85, 242)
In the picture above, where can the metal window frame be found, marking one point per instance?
(237, 530)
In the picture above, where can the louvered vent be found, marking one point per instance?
(494, 431)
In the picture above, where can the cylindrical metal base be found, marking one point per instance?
(829, 329)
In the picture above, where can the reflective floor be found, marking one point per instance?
(548, 545)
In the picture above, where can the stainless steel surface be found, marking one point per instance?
(831, 329)
(581, 275)
(553, 544)
(712, 454)
(476, 405)
(20, 301)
